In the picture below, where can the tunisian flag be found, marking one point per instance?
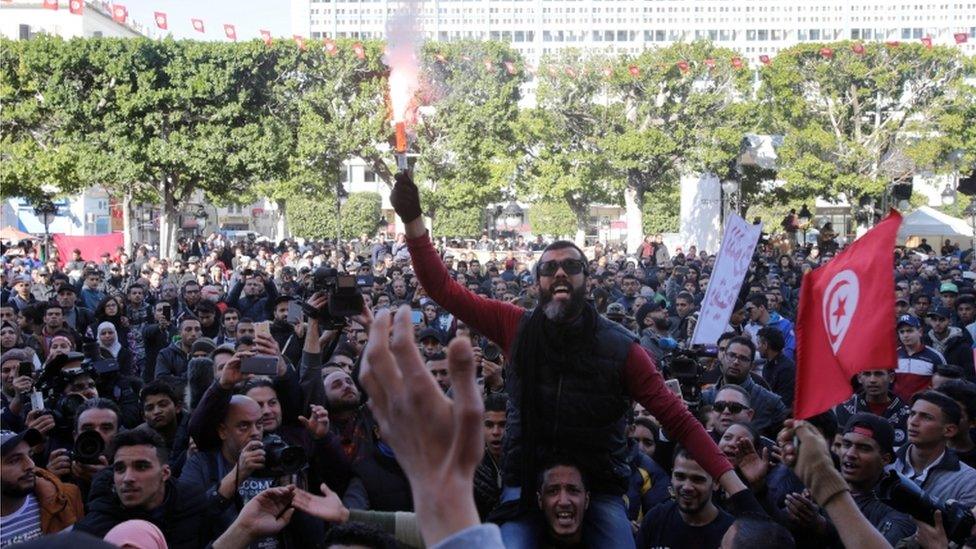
(846, 322)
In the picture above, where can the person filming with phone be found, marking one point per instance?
(562, 354)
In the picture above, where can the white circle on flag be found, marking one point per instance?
(839, 304)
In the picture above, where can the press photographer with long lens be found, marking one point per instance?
(562, 354)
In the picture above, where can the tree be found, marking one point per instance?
(464, 137)
(554, 219)
(333, 104)
(845, 114)
(562, 157)
(661, 210)
(686, 110)
(360, 214)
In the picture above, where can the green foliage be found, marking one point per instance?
(554, 219)
(661, 210)
(845, 119)
(458, 222)
(310, 218)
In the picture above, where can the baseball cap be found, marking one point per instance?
(616, 310)
(22, 278)
(940, 312)
(874, 427)
(910, 320)
(948, 288)
(428, 333)
(9, 439)
(901, 300)
(68, 288)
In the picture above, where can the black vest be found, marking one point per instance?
(581, 414)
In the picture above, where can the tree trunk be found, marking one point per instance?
(127, 222)
(582, 215)
(281, 229)
(634, 205)
(168, 224)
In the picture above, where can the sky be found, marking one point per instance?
(248, 16)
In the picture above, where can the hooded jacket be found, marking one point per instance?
(61, 504)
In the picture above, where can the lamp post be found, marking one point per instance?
(948, 196)
(513, 215)
(804, 218)
(46, 211)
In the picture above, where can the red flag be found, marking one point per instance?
(230, 32)
(553, 71)
(330, 46)
(51, 4)
(120, 13)
(826, 53)
(845, 323)
(710, 63)
(76, 7)
(266, 36)
(634, 70)
(160, 19)
(358, 49)
(927, 41)
(198, 25)
(961, 37)
(857, 48)
(737, 62)
(510, 68)
(765, 60)
(299, 41)
(570, 72)
(682, 66)
(892, 43)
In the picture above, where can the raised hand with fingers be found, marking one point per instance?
(438, 442)
(327, 507)
(754, 467)
(318, 422)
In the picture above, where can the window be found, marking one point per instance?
(24, 32)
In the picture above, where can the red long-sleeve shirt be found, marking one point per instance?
(498, 321)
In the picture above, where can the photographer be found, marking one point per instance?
(143, 489)
(85, 457)
(927, 459)
(230, 471)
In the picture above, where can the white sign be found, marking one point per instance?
(731, 266)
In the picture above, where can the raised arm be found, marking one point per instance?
(495, 319)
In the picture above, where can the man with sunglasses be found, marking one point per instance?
(571, 375)
(737, 364)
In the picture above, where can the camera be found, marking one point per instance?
(904, 495)
(280, 459)
(345, 297)
(684, 366)
(88, 448)
(492, 352)
(64, 412)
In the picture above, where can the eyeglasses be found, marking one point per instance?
(570, 266)
(721, 406)
(738, 357)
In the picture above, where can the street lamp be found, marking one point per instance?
(513, 215)
(948, 196)
(46, 211)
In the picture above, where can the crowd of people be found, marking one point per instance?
(393, 393)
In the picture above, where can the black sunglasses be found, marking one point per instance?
(733, 407)
(570, 266)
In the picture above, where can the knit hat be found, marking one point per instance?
(203, 345)
(645, 310)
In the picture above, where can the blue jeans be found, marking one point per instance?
(604, 525)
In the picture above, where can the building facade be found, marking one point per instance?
(753, 27)
(23, 19)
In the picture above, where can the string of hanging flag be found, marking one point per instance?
(120, 14)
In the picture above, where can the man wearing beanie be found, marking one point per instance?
(866, 449)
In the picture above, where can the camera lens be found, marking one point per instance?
(88, 447)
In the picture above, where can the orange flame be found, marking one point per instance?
(401, 137)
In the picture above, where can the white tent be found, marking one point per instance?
(930, 223)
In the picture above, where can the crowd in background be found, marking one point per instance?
(153, 356)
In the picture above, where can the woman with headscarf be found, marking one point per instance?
(136, 534)
(110, 347)
(12, 338)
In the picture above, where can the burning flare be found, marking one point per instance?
(402, 56)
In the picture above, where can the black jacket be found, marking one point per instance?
(185, 520)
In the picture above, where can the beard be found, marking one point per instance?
(562, 311)
(14, 490)
(662, 323)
